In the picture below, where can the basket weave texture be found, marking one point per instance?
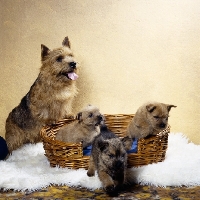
(150, 150)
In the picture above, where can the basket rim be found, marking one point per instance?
(119, 115)
(44, 130)
(70, 120)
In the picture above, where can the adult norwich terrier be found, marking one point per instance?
(150, 119)
(84, 129)
(48, 100)
(109, 158)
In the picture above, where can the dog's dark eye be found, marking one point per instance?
(156, 117)
(59, 58)
(90, 115)
(111, 155)
(123, 155)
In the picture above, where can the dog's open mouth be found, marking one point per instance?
(71, 75)
(100, 122)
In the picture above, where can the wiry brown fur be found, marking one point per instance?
(48, 100)
(150, 119)
(109, 158)
(84, 129)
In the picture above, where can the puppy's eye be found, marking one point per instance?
(156, 117)
(59, 58)
(123, 155)
(111, 155)
(90, 115)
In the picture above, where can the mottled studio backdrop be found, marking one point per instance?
(131, 51)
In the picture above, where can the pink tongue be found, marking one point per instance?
(72, 76)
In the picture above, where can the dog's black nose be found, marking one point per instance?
(162, 125)
(100, 118)
(72, 65)
(119, 164)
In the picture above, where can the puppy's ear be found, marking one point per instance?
(79, 116)
(170, 106)
(102, 145)
(44, 51)
(66, 42)
(127, 142)
(150, 107)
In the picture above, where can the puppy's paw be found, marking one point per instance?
(69, 116)
(50, 122)
(90, 173)
(109, 188)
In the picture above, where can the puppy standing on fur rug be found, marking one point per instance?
(84, 129)
(48, 100)
(150, 119)
(109, 158)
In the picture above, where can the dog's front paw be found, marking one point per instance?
(109, 188)
(50, 122)
(69, 116)
(90, 173)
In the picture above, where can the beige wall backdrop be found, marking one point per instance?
(131, 51)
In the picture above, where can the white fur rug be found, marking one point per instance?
(28, 169)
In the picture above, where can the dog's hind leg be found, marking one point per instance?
(14, 137)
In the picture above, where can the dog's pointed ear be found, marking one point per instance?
(44, 51)
(102, 145)
(127, 142)
(150, 107)
(79, 116)
(66, 42)
(170, 106)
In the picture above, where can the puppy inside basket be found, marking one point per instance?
(84, 129)
(150, 119)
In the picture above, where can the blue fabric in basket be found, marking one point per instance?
(134, 147)
(87, 150)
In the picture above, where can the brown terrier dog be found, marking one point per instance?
(48, 100)
(150, 119)
(109, 158)
(84, 129)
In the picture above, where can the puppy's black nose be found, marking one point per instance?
(72, 65)
(119, 164)
(100, 118)
(162, 125)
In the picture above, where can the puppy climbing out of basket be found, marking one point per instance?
(84, 129)
(150, 119)
(109, 158)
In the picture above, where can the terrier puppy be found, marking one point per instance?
(84, 129)
(150, 119)
(48, 100)
(109, 158)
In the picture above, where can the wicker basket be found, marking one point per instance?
(150, 150)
